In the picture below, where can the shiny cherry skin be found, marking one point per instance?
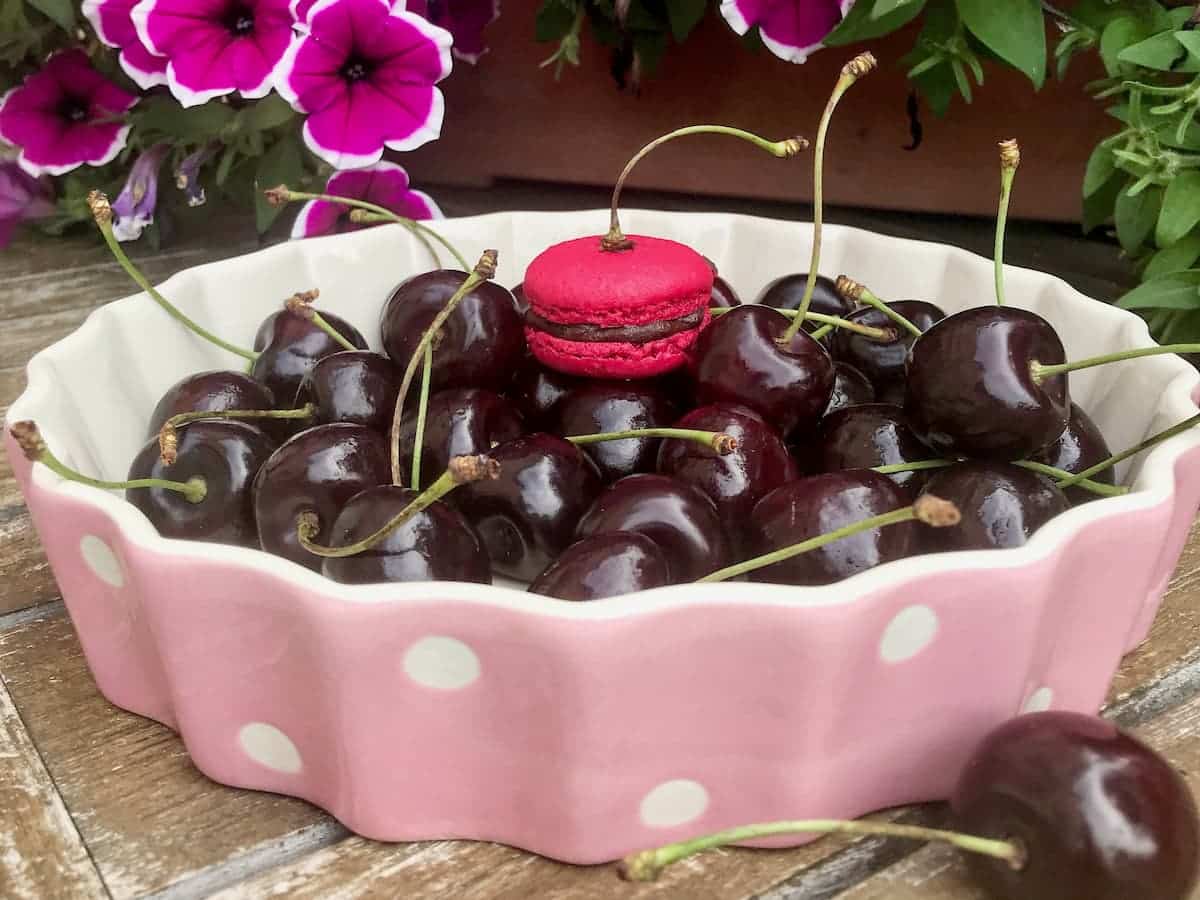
(723, 294)
(892, 393)
(737, 480)
(1079, 447)
(355, 386)
(971, 391)
(536, 390)
(1002, 505)
(679, 518)
(604, 565)
(458, 422)
(527, 516)
(482, 342)
(318, 470)
(787, 291)
(1099, 814)
(436, 544)
(228, 456)
(850, 387)
(520, 299)
(883, 362)
(289, 346)
(869, 435)
(819, 504)
(738, 360)
(603, 406)
(209, 391)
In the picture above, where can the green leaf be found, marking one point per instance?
(198, 123)
(1014, 30)
(960, 78)
(269, 112)
(1098, 207)
(650, 47)
(1100, 168)
(887, 7)
(1171, 292)
(226, 163)
(1160, 51)
(1180, 209)
(1191, 43)
(282, 164)
(1119, 34)
(554, 19)
(1179, 256)
(938, 88)
(61, 12)
(685, 15)
(859, 25)
(1135, 217)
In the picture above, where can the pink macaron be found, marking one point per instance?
(629, 313)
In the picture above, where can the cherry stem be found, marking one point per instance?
(1096, 487)
(616, 240)
(719, 442)
(422, 409)
(647, 865)
(1010, 158)
(851, 72)
(930, 510)
(883, 335)
(281, 195)
(1149, 442)
(859, 293)
(29, 439)
(484, 270)
(1042, 371)
(103, 214)
(462, 470)
(821, 332)
(168, 438)
(301, 304)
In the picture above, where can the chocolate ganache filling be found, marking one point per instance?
(626, 334)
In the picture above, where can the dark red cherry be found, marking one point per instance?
(892, 393)
(869, 435)
(520, 299)
(679, 518)
(228, 456)
(737, 480)
(604, 406)
(536, 389)
(209, 391)
(787, 291)
(1001, 505)
(318, 470)
(738, 360)
(1099, 815)
(458, 422)
(850, 387)
(481, 343)
(604, 565)
(723, 294)
(882, 362)
(971, 391)
(289, 346)
(819, 504)
(355, 386)
(527, 516)
(436, 544)
(1079, 447)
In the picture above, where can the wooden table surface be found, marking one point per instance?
(96, 802)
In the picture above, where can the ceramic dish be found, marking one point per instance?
(583, 731)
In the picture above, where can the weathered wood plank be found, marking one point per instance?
(149, 818)
(938, 873)
(41, 853)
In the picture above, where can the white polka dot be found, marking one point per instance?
(1039, 700)
(441, 662)
(101, 560)
(908, 634)
(674, 803)
(270, 747)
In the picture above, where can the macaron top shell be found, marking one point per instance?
(579, 283)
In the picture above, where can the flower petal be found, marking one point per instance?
(791, 29)
(143, 67)
(317, 217)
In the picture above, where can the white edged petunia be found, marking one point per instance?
(113, 24)
(791, 29)
(384, 184)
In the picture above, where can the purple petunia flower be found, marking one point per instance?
(215, 47)
(365, 75)
(187, 173)
(791, 29)
(113, 25)
(464, 19)
(22, 197)
(384, 184)
(64, 115)
(134, 207)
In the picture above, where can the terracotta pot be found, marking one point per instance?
(508, 118)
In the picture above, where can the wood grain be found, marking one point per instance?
(41, 853)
